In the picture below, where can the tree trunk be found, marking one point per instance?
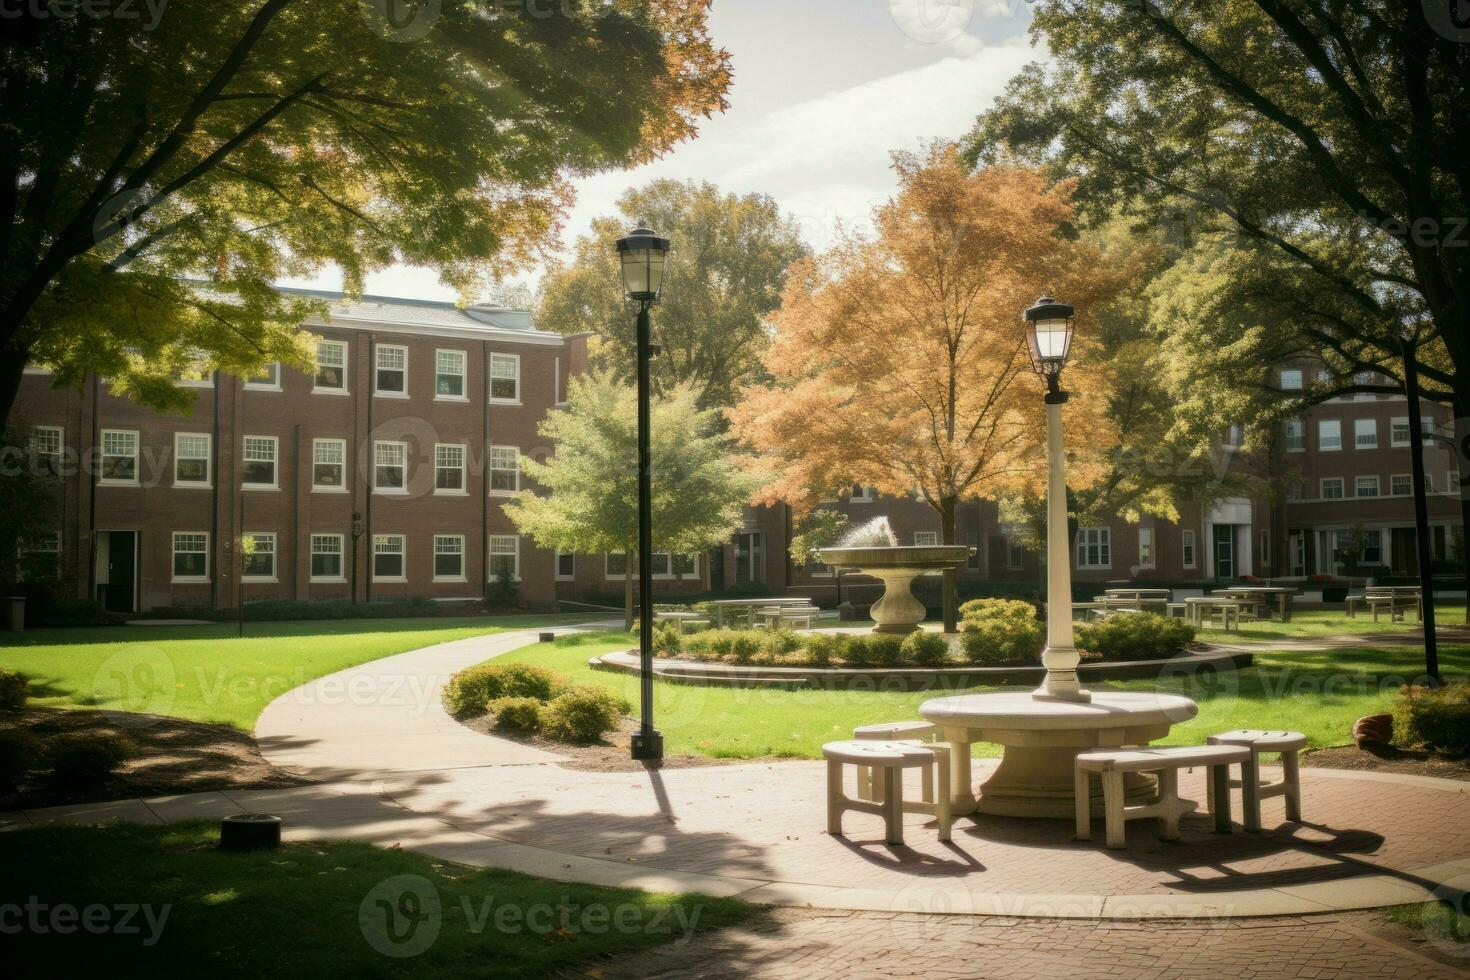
(946, 536)
(12, 368)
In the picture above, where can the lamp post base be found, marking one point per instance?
(648, 746)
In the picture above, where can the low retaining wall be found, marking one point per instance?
(914, 678)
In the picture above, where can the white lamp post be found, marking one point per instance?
(1049, 340)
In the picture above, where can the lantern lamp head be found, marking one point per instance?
(1049, 338)
(642, 255)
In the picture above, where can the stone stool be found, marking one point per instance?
(890, 759)
(1252, 789)
(894, 731)
(1111, 764)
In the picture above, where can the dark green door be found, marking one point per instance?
(122, 570)
(1225, 551)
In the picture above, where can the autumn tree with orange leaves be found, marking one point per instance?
(900, 358)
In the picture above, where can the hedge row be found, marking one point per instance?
(531, 699)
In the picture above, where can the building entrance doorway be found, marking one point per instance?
(1225, 551)
(117, 570)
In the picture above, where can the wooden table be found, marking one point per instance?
(1196, 605)
(1139, 598)
(1283, 595)
(745, 608)
(1041, 739)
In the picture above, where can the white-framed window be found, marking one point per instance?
(923, 538)
(197, 373)
(258, 556)
(191, 459)
(259, 471)
(449, 468)
(1095, 547)
(1329, 435)
(40, 557)
(1291, 379)
(326, 558)
(391, 374)
(46, 445)
(120, 456)
(615, 565)
(390, 467)
(505, 469)
(659, 564)
(1015, 554)
(862, 495)
(505, 557)
(388, 565)
(1365, 486)
(449, 558)
(329, 464)
(1332, 488)
(1186, 548)
(1365, 433)
(505, 378)
(1428, 484)
(449, 375)
(1146, 547)
(1295, 436)
(1399, 430)
(191, 556)
(1296, 489)
(685, 566)
(1373, 547)
(269, 378)
(566, 566)
(331, 365)
(1401, 484)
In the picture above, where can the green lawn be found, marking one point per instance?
(208, 673)
(307, 910)
(1320, 694)
(1312, 623)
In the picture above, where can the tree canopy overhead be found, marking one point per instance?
(1320, 144)
(900, 360)
(725, 273)
(246, 142)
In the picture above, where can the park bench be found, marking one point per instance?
(890, 759)
(1111, 764)
(1253, 789)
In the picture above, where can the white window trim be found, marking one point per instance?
(377, 352)
(606, 563)
(137, 458)
(206, 382)
(926, 544)
(317, 389)
(341, 559)
(464, 375)
(322, 487)
(60, 431)
(1080, 549)
(490, 380)
(556, 566)
(1356, 444)
(173, 545)
(1322, 488)
(275, 464)
(274, 576)
(1408, 478)
(492, 469)
(1302, 447)
(1377, 486)
(208, 483)
(1187, 537)
(390, 491)
(402, 553)
(1321, 447)
(267, 385)
(1153, 554)
(867, 496)
(491, 556)
(434, 552)
(464, 455)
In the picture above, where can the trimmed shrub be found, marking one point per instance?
(518, 714)
(667, 640)
(470, 690)
(1135, 636)
(744, 645)
(83, 760)
(282, 610)
(710, 645)
(874, 650)
(582, 715)
(825, 647)
(1007, 609)
(925, 649)
(20, 752)
(1437, 719)
(999, 642)
(14, 689)
(780, 643)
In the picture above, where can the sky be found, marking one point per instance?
(823, 92)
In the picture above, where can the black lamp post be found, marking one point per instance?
(642, 255)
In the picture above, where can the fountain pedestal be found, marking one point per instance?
(897, 566)
(897, 611)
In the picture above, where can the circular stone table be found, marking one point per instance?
(1041, 741)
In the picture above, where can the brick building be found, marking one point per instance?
(383, 474)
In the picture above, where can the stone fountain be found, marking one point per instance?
(873, 549)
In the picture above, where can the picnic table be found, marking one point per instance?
(1141, 599)
(737, 609)
(1200, 606)
(1398, 599)
(679, 619)
(1261, 596)
(776, 616)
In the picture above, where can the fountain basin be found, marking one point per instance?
(896, 566)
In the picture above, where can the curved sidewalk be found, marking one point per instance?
(401, 771)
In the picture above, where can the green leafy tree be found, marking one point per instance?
(246, 142)
(725, 274)
(818, 528)
(590, 499)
